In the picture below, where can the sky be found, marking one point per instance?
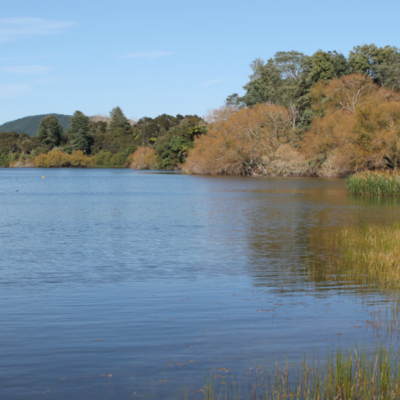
(152, 57)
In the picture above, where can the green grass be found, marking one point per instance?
(352, 374)
(374, 183)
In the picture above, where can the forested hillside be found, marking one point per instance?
(30, 125)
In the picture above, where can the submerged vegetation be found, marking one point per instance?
(351, 374)
(365, 257)
(368, 255)
(377, 183)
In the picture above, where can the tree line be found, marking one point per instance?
(91, 143)
(321, 115)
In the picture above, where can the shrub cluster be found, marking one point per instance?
(59, 159)
(144, 158)
(247, 141)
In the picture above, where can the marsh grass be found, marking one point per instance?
(367, 255)
(381, 183)
(347, 374)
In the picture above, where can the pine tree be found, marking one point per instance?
(50, 131)
(79, 132)
(118, 119)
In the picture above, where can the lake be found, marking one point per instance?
(121, 284)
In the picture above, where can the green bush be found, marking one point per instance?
(4, 160)
(106, 159)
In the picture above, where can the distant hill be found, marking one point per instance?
(30, 125)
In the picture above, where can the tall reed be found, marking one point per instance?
(350, 374)
(369, 254)
(374, 183)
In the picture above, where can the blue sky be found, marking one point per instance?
(163, 56)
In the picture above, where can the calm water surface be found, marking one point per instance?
(117, 284)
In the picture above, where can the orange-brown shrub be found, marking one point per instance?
(244, 142)
(80, 160)
(144, 158)
(54, 158)
(57, 159)
(359, 128)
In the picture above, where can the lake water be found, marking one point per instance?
(116, 284)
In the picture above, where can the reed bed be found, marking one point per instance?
(352, 374)
(369, 254)
(381, 183)
(366, 258)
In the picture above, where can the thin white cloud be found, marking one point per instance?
(212, 82)
(14, 89)
(16, 28)
(28, 69)
(151, 55)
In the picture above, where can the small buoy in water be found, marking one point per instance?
(43, 177)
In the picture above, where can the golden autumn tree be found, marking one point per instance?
(357, 128)
(144, 158)
(248, 141)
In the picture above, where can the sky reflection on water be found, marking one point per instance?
(155, 278)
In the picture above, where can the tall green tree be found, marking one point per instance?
(50, 131)
(171, 151)
(118, 120)
(287, 80)
(381, 63)
(275, 81)
(80, 137)
(325, 66)
(322, 66)
(148, 130)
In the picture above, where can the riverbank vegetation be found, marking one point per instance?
(363, 257)
(347, 374)
(371, 253)
(321, 115)
(376, 183)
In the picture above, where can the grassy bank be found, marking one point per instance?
(351, 374)
(374, 183)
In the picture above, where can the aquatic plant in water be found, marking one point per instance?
(347, 374)
(369, 254)
(380, 183)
